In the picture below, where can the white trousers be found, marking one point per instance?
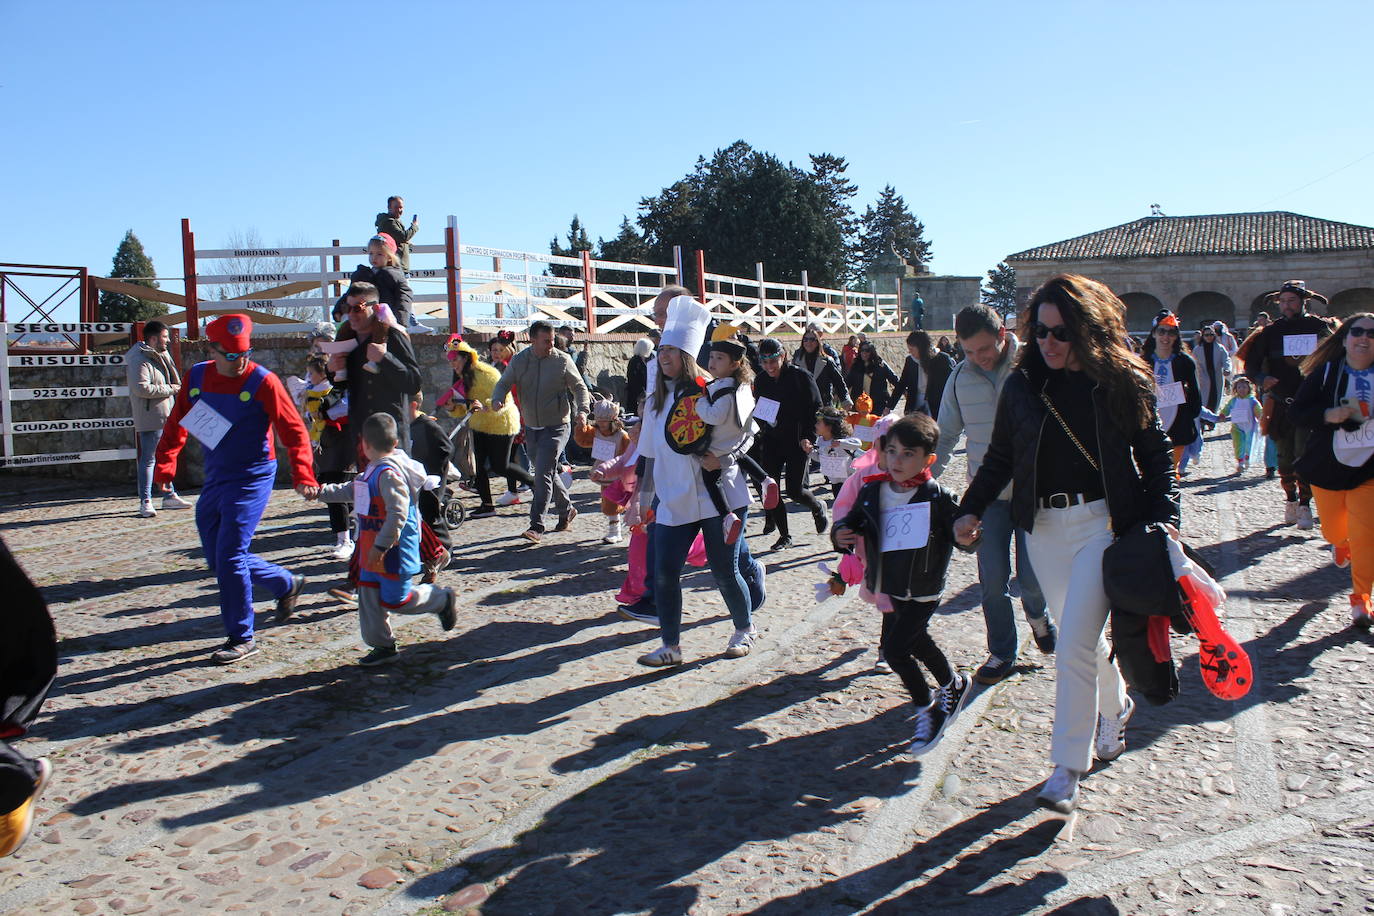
(1065, 549)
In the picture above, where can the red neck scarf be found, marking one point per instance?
(911, 484)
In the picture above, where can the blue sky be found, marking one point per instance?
(1004, 125)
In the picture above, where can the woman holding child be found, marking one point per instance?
(1078, 431)
(684, 502)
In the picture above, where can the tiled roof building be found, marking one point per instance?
(1215, 265)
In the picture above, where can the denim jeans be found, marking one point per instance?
(545, 445)
(147, 458)
(671, 548)
(994, 575)
(750, 569)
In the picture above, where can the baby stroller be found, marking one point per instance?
(450, 505)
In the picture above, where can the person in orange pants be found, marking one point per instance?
(1336, 402)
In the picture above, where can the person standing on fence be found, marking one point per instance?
(382, 270)
(153, 385)
(389, 224)
(233, 405)
(544, 376)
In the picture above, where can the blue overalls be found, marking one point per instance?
(402, 561)
(239, 473)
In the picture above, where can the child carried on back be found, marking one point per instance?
(384, 497)
(906, 522)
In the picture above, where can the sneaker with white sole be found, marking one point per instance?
(662, 657)
(1044, 632)
(741, 642)
(344, 548)
(613, 531)
(146, 510)
(232, 652)
(1111, 732)
(1060, 792)
(994, 670)
(1360, 615)
(509, 498)
(930, 725)
(1290, 512)
(1304, 518)
(173, 501)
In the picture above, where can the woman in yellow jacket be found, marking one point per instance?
(492, 430)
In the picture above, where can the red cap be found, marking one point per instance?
(386, 240)
(1168, 321)
(232, 332)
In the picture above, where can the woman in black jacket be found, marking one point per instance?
(1176, 391)
(873, 377)
(823, 368)
(783, 445)
(1077, 431)
(1335, 401)
(924, 375)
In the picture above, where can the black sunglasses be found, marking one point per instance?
(1358, 331)
(1059, 332)
(234, 357)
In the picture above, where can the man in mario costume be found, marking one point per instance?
(231, 405)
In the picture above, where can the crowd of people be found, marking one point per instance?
(1075, 434)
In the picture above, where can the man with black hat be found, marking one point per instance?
(787, 402)
(232, 405)
(1279, 350)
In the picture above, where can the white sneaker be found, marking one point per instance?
(1111, 732)
(1290, 512)
(662, 657)
(344, 548)
(1304, 518)
(1060, 792)
(509, 498)
(613, 532)
(173, 501)
(145, 509)
(741, 642)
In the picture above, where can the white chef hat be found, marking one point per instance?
(686, 326)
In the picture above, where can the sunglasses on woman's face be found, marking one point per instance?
(1361, 331)
(1059, 332)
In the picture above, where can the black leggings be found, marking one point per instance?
(338, 512)
(906, 642)
(492, 451)
(790, 469)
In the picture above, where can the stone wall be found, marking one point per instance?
(1182, 283)
(942, 298)
(607, 357)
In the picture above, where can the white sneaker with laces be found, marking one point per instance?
(1111, 732)
(509, 498)
(1060, 792)
(343, 549)
(741, 643)
(1304, 518)
(145, 509)
(1290, 512)
(173, 501)
(662, 657)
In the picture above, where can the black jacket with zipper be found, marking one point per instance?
(1318, 465)
(904, 572)
(1136, 465)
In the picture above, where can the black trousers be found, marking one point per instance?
(907, 645)
(17, 777)
(338, 512)
(789, 466)
(493, 452)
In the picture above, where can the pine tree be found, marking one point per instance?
(999, 290)
(827, 171)
(628, 245)
(577, 243)
(132, 265)
(890, 215)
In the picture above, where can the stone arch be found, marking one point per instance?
(1262, 303)
(1206, 306)
(1141, 309)
(1350, 301)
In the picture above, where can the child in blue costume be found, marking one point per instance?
(232, 405)
(384, 496)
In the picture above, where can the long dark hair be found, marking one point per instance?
(1332, 350)
(662, 391)
(1097, 320)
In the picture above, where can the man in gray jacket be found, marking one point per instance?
(544, 376)
(969, 405)
(153, 385)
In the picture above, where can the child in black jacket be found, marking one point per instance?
(907, 522)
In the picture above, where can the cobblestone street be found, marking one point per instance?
(525, 764)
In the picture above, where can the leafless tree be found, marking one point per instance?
(269, 265)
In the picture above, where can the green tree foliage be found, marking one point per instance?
(828, 173)
(577, 243)
(889, 215)
(131, 264)
(743, 206)
(999, 289)
(628, 245)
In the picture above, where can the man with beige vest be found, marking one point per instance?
(153, 385)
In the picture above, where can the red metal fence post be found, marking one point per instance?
(188, 266)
